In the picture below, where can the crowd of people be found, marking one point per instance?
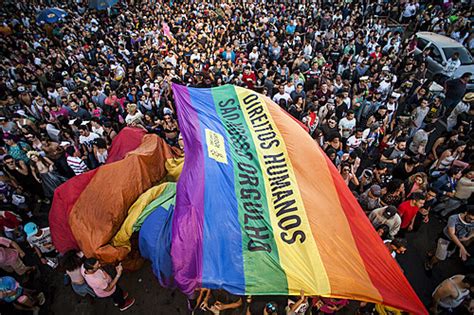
(401, 138)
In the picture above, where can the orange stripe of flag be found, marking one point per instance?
(344, 266)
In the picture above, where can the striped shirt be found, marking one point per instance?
(77, 165)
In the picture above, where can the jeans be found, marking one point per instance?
(82, 289)
(448, 206)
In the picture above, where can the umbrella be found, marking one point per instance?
(100, 5)
(50, 15)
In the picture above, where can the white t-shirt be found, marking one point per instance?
(134, 118)
(410, 10)
(345, 123)
(289, 89)
(353, 142)
(451, 67)
(99, 131)
(52, 132)
(279, 96)
(253, 56)
(43, 242)
(195, 56)
(88, 140)
(172, 60)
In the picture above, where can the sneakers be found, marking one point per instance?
(128, 303)
(125, 296)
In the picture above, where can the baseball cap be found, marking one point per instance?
(389, 212)
(30, 229)
(376, 190)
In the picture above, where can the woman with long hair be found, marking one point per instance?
(453, 153)
(395, 193)
(417, 182)
(440, 145)
(347, 173)
(170, 129)
(44, 172)
(71, 263)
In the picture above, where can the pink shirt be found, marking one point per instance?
(8, 256)
(98, 281)
(60, 112)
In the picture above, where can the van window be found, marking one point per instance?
(436, 54)
(421, 43)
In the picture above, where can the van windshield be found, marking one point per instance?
(464, 56)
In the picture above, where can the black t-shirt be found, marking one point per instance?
(400, 171)
(455, 89)
(340, 110)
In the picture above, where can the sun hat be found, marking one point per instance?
(29, 154)
(469, 97)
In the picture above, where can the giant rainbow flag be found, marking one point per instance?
(260, 210)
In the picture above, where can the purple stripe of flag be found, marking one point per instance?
(187, 236)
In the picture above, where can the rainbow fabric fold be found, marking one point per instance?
(261, 210)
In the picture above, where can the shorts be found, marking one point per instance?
(444, 248)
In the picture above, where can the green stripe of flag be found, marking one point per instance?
(261, 262)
